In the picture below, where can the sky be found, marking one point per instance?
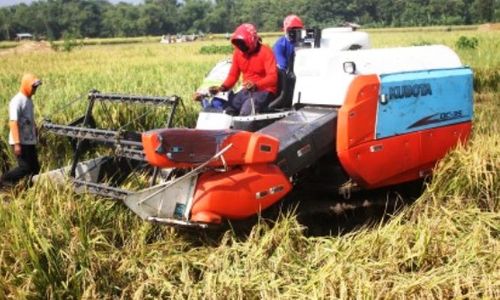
(14, 2)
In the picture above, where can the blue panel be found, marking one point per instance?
(414, 101)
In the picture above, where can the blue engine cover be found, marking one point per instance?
(414, 101)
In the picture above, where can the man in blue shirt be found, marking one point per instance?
(284, 49)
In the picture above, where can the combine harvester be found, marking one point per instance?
(374, 117)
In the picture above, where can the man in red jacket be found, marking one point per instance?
(257, 64)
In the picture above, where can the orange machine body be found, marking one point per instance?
(239, 193)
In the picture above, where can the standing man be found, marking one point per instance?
(23, 135)
(284, 49)
(256, 63)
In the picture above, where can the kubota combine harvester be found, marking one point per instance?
(377, 117)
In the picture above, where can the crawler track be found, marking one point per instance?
(325, 212)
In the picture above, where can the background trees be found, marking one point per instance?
(54, 19)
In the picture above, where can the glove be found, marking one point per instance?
(213, 90)
(249, 86)
(216, 89)
(197, 96)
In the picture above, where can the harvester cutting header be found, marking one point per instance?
(376, 117)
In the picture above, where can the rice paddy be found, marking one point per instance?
(58, 244)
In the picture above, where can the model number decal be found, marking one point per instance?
(438, 118)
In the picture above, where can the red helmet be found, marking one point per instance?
(248, 34)
(292, 21)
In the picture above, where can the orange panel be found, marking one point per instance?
(239, 193)
(438, 141)
(247, 148)
(375, 161)
(356, 118)
(401, 158)
(150, 143)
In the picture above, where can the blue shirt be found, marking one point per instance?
(284, 51)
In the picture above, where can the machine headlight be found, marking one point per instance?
(349, 67)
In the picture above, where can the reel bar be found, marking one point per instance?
(99, 135)
(171, 100)
(136, 154)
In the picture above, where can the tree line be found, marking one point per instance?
(56, 19)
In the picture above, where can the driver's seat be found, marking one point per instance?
(286, 83)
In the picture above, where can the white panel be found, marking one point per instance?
(344, 40)
(213, 120)
(321, 78)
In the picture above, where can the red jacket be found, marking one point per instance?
(258, 67)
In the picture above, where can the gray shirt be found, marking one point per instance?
(21, 110)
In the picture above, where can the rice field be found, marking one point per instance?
(58, 244)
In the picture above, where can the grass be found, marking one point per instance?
(424, 29)
(8, 44)
(56, 244)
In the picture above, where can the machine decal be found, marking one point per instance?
(271, 191)
(407, 91)
(179, 210)
(420, 100)
(438, 118)
(304, 150)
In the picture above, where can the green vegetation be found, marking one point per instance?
(214, 49)
(467, 43)
(54, 19)
(57, 244)
(7, 45)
